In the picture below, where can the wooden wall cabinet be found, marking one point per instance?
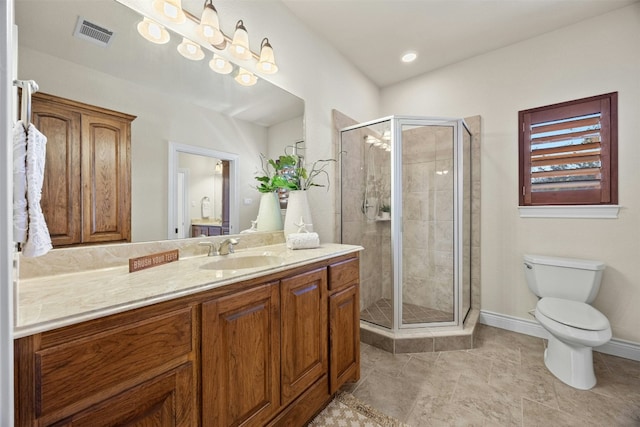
(86, 194)
(253, 353)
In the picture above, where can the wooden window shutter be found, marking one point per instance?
(568, 153)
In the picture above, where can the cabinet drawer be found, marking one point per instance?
(343, 273)
(72, 371)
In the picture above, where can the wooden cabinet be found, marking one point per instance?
(267, 351)
(241, 357)
(118, 370)
(344, 322)
(86, 194)
(304, 332)
(206, 230)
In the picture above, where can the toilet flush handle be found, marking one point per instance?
(529, 266)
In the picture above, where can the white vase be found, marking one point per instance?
(269, 217)
(297, 210)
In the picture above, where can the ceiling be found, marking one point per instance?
(373, 34)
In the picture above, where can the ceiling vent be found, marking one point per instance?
(94, 33)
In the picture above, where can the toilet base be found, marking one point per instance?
(572, 364)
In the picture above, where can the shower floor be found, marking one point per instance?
(381, 313)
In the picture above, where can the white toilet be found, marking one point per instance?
(566, 287)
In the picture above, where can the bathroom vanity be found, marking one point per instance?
(260, 346)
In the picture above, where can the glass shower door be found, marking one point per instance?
(426, 160)
(365, 196)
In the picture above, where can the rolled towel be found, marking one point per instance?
(303, 240)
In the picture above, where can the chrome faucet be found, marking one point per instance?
(226, 246)
(223, 248)
(213, 249)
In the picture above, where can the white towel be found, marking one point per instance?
(38, 240)
(20, 216)
(303, 240)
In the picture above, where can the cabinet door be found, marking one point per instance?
(344, 330)
(163, 401)
(240, 357)
(105, 179)
(304, 332)
(61, 186)
(197, 231)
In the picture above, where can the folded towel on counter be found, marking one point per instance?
(303, 240)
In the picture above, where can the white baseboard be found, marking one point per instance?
(615, 347)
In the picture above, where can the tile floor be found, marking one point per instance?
(502, 381)
(381, 312)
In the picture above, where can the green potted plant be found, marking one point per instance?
(272, 178)
(274, 173)
(385, 211)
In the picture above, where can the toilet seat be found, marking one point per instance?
(570, 334)
(573, 313)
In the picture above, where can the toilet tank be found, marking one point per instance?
(573, 279)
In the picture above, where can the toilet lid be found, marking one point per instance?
(573, 313)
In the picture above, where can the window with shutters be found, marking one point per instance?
(569, 153)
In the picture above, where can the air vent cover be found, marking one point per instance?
(94, 33)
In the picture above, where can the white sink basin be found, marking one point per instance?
(240, 262)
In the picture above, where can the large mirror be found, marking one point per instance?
(175, 101)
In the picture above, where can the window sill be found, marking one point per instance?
(582, 211)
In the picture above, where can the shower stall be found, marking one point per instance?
(406, 194)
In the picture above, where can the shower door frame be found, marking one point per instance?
(396, 123)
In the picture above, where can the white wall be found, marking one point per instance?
(284, 135)
(590, 58)
(317, 73)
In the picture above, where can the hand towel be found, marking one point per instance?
(303, 240)
(20, 215)
(38, 240)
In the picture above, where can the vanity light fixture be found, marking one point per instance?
(170, 9)
(220, 65)
(240, 44)
(210, 25)
(204, 33)
(246, 78)
(190, 50)
(267, 62)
(153, 31)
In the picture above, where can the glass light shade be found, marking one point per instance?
(220, 65)
(267, 62)
(170, 9)
(210, 25)
(240, 43)
(246, 78)
(190, 50)
(153, 31)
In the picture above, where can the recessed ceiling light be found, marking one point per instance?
(409, 57)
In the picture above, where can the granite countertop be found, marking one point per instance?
(49, 302)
